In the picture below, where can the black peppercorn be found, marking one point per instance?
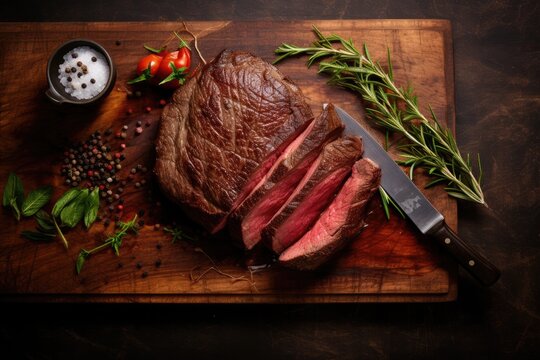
(83, 85)
(94, 59)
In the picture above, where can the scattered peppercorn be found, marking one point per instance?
(83, 85)
(138, 130)
(144, 274)
(74, 55)
(158, 263)
(79, 63)
(93, 81)
(139, 265)
(162, 102)
(148, 109)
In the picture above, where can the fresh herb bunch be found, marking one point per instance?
(114, 241)
(395, 108)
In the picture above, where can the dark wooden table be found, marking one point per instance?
(497, 50)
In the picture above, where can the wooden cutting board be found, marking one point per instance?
(388, 262)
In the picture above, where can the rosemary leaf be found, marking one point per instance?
(426, 143)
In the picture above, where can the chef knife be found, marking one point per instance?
(418, 209)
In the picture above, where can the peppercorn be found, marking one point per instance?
(73, 70)
(144, 274)
(162, 102)
(93, 81)
(138, 265)
(158, 263)
(148, 109)
(94, 59)
(74, 55)
(138, 130)
(83, 85)
(79, 63)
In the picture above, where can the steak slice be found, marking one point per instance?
(326, 127)
(223, 131)
(314, 192)
(340, 222)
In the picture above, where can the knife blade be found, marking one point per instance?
(418, 209)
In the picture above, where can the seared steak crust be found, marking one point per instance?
(222, 131)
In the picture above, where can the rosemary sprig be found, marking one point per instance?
(114, 241)
(428, 144)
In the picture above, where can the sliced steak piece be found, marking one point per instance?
(314, 192)
(223, 131)
(326, 127)
(340, 222)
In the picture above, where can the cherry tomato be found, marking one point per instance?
(174, 67)
(147, 68)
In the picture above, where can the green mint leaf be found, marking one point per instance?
(92, 207)
(15, 208)
(13, 194)
(81, 259)
(36, 200)
(44, 221)
(64, 200)
(38, 236)
(73, 212)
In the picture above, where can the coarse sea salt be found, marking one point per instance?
(84, 72)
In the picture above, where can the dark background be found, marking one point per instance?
(497, 51)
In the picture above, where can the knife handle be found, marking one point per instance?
(470, 259)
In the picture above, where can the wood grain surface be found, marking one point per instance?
(388, 262)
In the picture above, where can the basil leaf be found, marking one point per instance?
(81, 259)
(73, 212)
(13, 194)
(44, 221)
(92, 207)
(64, 200)
(36, 200)
(15, 208)
(13, 190)
(38, 236)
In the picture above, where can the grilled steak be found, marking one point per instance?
(340, 222)
(224, 129)
(262, 203)
(314, 192)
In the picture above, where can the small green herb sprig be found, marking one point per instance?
(114, 241)
(428, 145)
(178, 234)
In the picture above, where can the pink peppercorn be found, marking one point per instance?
(162, 102)
(148, 109)
(117, 155)
(130, 111)
(139, 130)
(120, 207)
(122, 146)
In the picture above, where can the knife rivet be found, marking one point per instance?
(447, 241)
(471, 263)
